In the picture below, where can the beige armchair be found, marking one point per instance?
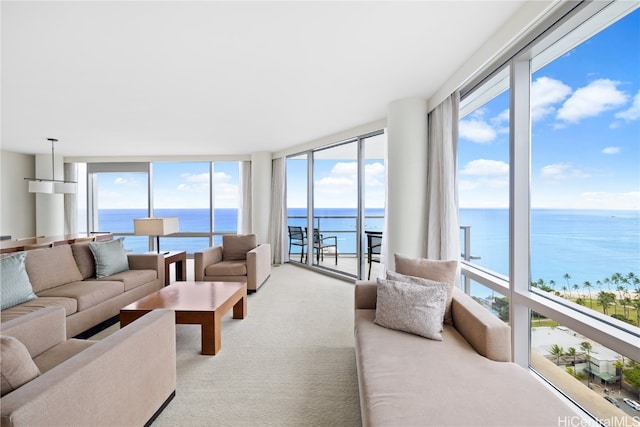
(240, 258)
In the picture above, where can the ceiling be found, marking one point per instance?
(168, 78)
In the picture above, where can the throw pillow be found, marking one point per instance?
(236, 246)
(16, 287)
(438, 271)
(412, 308)
(110, 256)
(16, 366)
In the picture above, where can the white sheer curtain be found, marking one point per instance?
(244, 198)
(443, 235)
(278, 216)
(70, 201)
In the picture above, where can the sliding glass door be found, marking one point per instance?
(335, 195)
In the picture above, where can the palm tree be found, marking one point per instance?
(636, 304)
(626, 303)
(557, 352)
(586, 347)
(565, 289)
(573, 354)
(606, 299)
(575, 288)
(588, 285)
(619, 365)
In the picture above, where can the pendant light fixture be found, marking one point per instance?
(51, 186)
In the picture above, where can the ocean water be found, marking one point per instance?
(589, 245)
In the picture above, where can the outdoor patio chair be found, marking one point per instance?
(297, 238)
(320, 243)
(374, 244)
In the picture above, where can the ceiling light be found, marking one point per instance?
(50, 186)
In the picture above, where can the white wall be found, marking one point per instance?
(406, 179)
(17, 205)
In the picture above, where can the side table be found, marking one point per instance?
(179, 258)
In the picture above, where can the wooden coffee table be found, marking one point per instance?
(200, 303)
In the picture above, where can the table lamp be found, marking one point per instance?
(159, 226)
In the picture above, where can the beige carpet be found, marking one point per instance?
(291, 362)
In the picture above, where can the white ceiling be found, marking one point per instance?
(217, 78)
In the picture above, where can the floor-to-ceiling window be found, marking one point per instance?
(204, 196)
(342, 185)
(573, 214)
(297, 202)
(118, 193)
(335, 207)
(483, 186)
(183, 190)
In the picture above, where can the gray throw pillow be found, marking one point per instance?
(16, 366)
(110, 257)
(16, 287)
(411, 308)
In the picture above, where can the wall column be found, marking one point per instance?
(261, 195)
(406, 179)
(49, 207)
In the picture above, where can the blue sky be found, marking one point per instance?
(585, 130)
(176, 185)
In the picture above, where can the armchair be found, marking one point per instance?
(240, 258)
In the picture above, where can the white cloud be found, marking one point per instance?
(611, 150)
(545, 93)
(633, 112)
(486, 174)
(476, 130)
(338, 188)
(126, 182)
(561, 171)
(603, 200)
(200, 177)
(589, 101)
(485, 167)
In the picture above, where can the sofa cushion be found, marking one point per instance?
(70, 306)
(15, 287)
(132, 278)
(16, 366)
(236, 246)
(51, 267)
(87, 293)
(438, 271)
(84, 259)
(412, 308)
(110, 257)
(227, 268)
(60, 353)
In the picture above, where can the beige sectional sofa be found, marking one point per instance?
(65, 276)
(466, 379)
(125, 379)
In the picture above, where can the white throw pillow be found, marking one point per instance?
(412, 308)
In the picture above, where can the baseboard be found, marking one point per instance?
(98, 328)
(160, 409)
